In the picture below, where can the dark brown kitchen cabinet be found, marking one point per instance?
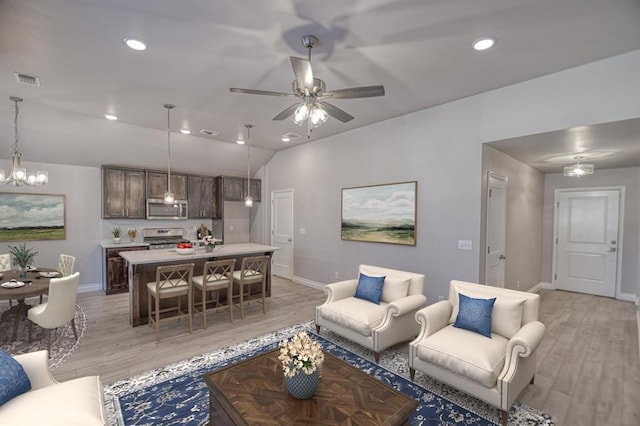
(123, 193)
(202, 196)
(116, 274)
(235, 188)
(157, 185)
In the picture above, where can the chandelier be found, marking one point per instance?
(578, 169)
(19, 175)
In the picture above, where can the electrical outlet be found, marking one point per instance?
(336, 276)
(518, 284)
(230, 227)
(440, 298)
(465, 245)
(303, 231)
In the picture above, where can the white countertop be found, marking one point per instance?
(169, 255)
(122, 243)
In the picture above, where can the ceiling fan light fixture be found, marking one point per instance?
(317, 116)
(301, 114)
(578, 169)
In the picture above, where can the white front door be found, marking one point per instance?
(496, 230)
(282, 232)
(587, 241)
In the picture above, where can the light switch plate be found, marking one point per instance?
(303, 231)
(465, 245)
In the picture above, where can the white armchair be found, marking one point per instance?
(77, 402)
(495, 369)
(376, 327)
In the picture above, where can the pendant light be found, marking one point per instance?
(168, 195)
(578, 169)
(248, 200)
(18, 175)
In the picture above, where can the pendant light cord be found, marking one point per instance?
(15, 123)
(168, 107)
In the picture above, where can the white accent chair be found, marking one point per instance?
(77, 402)
(66, 264)
(5, 262)
(495, 369)
(59, 308)
(376, 327)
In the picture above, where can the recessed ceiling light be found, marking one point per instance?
(185, 131)
(484, 43)
(111, 117)
(135, 43)
(285, 139)
(240, 142)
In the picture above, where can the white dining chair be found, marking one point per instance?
(66, 264)
(5, 262)
(59, 308)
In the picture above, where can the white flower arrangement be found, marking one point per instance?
(300, 354)
(208, 241)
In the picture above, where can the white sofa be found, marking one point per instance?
(77, 402)
(376, 327)
(495, 369)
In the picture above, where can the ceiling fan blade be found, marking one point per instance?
(355, 92)
(259, 92)
(286, 113)
(336, 112)
(303, 73)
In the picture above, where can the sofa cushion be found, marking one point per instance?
(369, 288)
(475, 314)
(76, 402)
(13, 379)
(356, 314)
(506, 317)
(394, 289)
(466, 353)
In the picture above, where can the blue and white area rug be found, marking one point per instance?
(178, 395)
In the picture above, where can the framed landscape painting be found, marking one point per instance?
(380, 214)
(29, 217)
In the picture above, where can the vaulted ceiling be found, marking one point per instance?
(419, 50)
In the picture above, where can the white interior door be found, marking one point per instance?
(282, 232)
(587, 241)
(496, 230)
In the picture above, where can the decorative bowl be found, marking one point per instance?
(190, 250)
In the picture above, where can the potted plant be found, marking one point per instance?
(132, 232)
(116, 232)
(302, 360)
(23, 257)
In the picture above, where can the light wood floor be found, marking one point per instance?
(588, 363)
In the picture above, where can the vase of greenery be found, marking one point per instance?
(23, 256)
(116, 232)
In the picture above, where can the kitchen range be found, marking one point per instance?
(163, 238)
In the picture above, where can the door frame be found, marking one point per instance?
(271, 227)
(621, 191)
(505, 179)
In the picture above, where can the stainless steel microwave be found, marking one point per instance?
(158, 209)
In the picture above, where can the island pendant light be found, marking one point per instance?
(578, 169)
(248, 200)
(168, 196)
(18, 175)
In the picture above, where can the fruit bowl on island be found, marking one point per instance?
(185, 248)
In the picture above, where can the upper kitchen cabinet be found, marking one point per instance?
(123, 193)
(157, 185)
(235, 188)
(203, 197)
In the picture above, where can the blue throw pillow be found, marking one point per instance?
(475, 314)
(369, 288)
(13, 379)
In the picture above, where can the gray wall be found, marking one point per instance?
(441, 148)
(525, 189)
(627, 177)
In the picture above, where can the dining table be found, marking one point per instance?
(36, 283)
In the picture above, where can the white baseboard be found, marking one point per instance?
(539, 286)
(85, 288)
(628, 297)
(308, 283)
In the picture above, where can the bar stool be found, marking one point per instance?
(254, 270)
(217, 275)
(173, 281)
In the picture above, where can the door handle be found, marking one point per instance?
(502, 257)
(612, 249)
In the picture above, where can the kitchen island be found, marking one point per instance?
(142, 267)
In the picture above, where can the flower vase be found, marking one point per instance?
(208, 248)
(302, 386)
(22, 272)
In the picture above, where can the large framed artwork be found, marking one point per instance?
(30, 217)
(380, 213)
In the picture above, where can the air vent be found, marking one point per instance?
(291, 135)
(29, 80)
(210, 132)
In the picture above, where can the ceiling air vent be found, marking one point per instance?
(210, 132)
(291, 135)
(29, 80)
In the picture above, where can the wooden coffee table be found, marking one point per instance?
(253, 392)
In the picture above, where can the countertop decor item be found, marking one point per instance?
(116, 232)
(209, 243)
(132, 232)
(302, 360)
(22, 256)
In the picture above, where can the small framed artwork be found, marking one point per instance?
(32, 217)
(380, 213)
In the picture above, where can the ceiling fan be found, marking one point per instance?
(312, 107)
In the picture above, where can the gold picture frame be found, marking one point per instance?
(380, 213)
(32, 217)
